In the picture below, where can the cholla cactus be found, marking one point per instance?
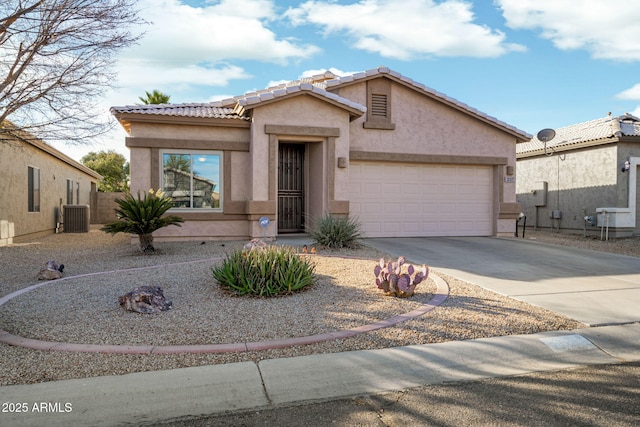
(391, 279)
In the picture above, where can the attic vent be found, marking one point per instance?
(379, 105)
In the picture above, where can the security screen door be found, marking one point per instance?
(290, 188)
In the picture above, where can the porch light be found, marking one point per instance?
(625, 166)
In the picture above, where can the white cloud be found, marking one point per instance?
(633, 93)
(607, 30)
(230, 29)
(193, 45)
(413, 28)
(144, 74)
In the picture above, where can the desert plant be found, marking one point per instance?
(142, 216)
(391, 279)
(336, 232)
(268, 272)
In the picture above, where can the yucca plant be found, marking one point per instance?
(268, 272)
(142, 216)
(336, 232)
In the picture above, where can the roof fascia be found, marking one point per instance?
(40, 145)
(573, 147)
(126, 119)
(354, 113)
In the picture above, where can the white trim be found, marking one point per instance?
(622, 217)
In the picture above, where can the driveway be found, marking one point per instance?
(592, 287)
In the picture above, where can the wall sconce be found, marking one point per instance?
(510, 170)
(342, 162)
(625, 166)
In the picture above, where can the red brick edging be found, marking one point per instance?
(440, 296)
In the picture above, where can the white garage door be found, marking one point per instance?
(409, 200)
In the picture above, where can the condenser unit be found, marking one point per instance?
(76, 218)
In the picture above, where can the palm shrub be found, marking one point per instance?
(268, 272)
(142, 216)
(336, 232)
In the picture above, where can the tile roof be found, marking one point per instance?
(603, 129)
(321, 85)
(213, 110)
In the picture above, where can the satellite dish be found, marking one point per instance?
(546, 135)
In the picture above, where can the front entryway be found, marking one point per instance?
(291, 188)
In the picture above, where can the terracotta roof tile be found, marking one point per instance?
(574, 135)
(213, 110)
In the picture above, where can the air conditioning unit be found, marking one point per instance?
(76, 218)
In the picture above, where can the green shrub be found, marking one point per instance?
(268, 272)
(142, 216)
(336, 232)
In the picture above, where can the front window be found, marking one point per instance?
(192, 179)
(33, 189)
(69, 192)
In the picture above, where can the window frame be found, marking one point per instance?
(69, 191)
(192, 153)
(33, 193)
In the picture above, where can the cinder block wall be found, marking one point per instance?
(103, 209)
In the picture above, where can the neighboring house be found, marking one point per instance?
(402, 158)
(36, 181)
(579, 174)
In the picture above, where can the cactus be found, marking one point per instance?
(391, 279)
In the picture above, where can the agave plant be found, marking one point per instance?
(142, 216)
(391, 279)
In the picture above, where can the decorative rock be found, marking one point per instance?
(51, 271)
(255, 244)
(145, 299)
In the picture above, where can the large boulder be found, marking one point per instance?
(145, 299)
(50, 271)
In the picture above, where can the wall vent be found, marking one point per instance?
(76, 218)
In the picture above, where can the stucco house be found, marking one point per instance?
(584, 179)
(402, 158)
(36, 181)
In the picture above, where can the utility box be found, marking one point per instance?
(76, 218)
(539, 193)
(556, 215)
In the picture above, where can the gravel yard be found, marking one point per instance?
(85, 309)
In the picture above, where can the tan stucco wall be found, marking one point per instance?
(15, 158)
(428, 131)
(577, 181)
(301, 111)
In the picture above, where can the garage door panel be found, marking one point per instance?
(397, 200)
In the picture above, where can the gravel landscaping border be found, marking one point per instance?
(85, 310)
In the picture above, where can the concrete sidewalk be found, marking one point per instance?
(145, 398)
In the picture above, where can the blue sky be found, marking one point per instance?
(531, 63)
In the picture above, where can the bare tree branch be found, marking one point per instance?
(56, 63)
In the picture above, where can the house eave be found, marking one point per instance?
(383, 72)
(126, 119)
(574, 146)
(42, 146)
(354, 113)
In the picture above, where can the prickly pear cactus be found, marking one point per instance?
(394, 282)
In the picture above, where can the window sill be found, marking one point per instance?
(379, 125)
